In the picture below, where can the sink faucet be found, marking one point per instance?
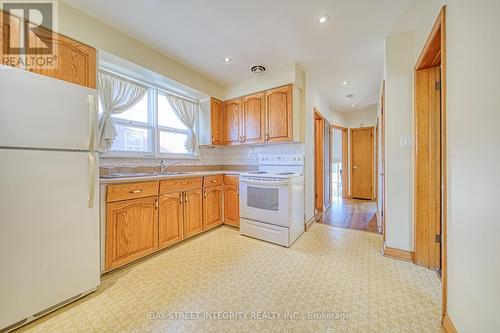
(165, 165)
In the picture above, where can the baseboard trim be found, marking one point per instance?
(310, 222)
(447, 324)
(391, 252)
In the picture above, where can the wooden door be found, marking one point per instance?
(212, 207)
(232, 205)
(232, 115)
(318, 161)
(362, 163)
(279, 114)
(327, 162)
(216, 121)
(193, 212)
(253, 118)
(170, 222)
(382, 159)
(131, 230)
(428, 168)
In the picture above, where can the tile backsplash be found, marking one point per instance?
(240, 155)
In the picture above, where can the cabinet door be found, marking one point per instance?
(253, 118)
(279, 114)
(232, 205)
(212, 207)
(75, 62)
(10, 39)
(193, 212)
(131, 230)
(232, 115)
(216, 121)
(170, 219)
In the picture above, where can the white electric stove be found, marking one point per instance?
(272, 200)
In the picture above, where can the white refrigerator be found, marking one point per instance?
(49, 229)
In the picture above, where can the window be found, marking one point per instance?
(149, 128)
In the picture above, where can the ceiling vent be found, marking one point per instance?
(258, 69)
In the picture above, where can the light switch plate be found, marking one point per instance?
(406, 142)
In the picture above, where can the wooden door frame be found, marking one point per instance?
(318, 167)
(433, 52)
(373, 158)
(382, 159)
(345, 166)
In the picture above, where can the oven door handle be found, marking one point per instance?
(268, 183)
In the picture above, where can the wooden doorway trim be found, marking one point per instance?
(372, 164)
(382, 159)
(434, 54)
(319, 126)
(345, 157)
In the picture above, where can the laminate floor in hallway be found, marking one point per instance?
(352, 214)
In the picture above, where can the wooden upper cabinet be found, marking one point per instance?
(253, 118)
(72, 61)
(279, 114)
(212, 206)
(75, 63)
(232, 205)
(193, 212)
(232, 120)
(131, 230)
(170, 222)
(216, 121)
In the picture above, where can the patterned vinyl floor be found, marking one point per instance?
(330, 280)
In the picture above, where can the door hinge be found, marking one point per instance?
(438, 238)
(437, 85)
(382, 213)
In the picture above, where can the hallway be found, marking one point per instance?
(352, 214)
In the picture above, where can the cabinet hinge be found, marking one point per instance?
(438, 238)
(437, 85)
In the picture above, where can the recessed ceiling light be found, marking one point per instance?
(323, 19)
(345, 83)
(227, 59)
(353, 105)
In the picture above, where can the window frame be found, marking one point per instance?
(152, 126)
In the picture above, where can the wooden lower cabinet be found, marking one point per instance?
(131, 230)
(170, 219)
(212, 207)
(232, 205)
(193, 212)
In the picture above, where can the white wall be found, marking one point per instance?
(77, 25)
(473, 141)
(473, 118)
(400, 60)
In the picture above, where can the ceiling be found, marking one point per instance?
(201, 33)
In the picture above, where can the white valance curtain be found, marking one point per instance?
(187, 112)
(116, 95)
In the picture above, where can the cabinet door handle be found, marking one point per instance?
(205, 194)
(266, 137)
(243, 138)
(135, 191)
(213, 139)
(185, 198)
(156, 204)
(238, 192)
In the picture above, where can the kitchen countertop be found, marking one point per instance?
(188, 174)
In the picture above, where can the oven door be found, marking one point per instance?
(265, 200)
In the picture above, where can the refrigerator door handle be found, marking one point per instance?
(92, 114)
(92, 177)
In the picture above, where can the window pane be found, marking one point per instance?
(166, 116)
(172, 143)
(138, 112)
(131, 138)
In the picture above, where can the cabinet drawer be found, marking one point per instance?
(179, 185)
(231, 180)
(131, 191)
(212, 181)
